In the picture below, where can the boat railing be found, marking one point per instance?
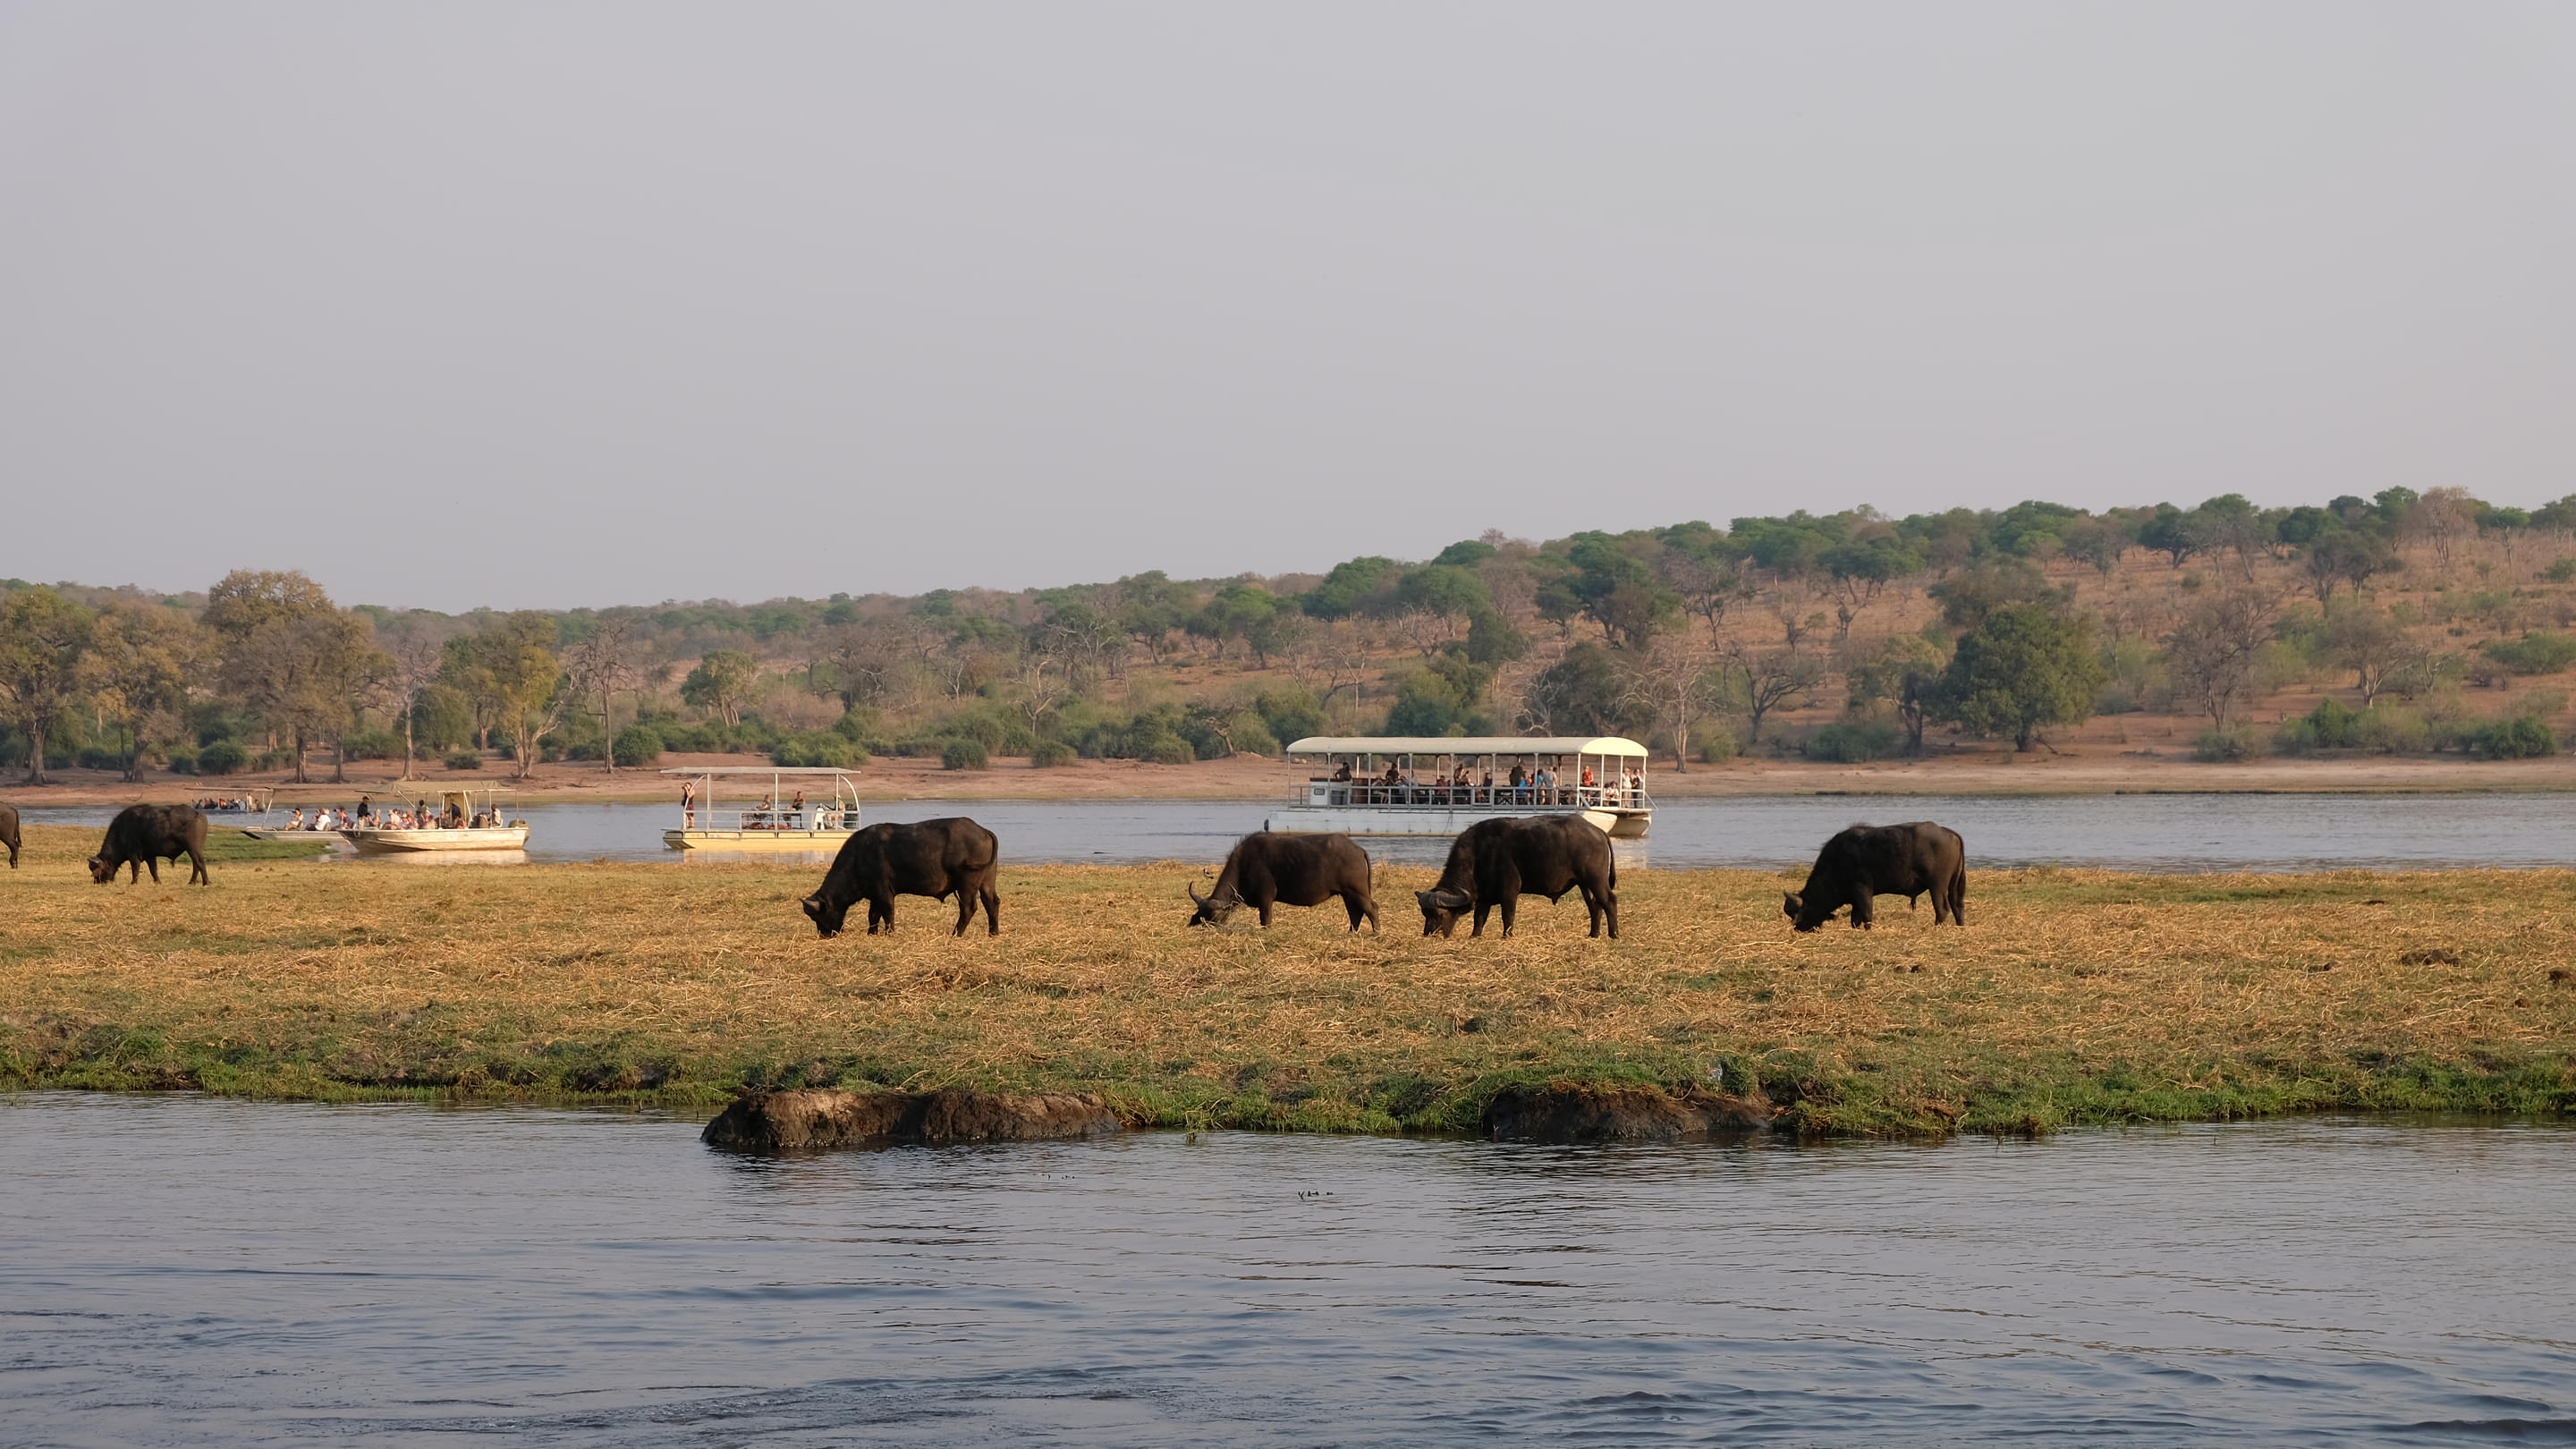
(1372, 793)
(812, 817)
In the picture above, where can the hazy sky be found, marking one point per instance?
(539, 305)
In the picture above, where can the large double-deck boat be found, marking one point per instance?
(781, 820)
(1374, 786)
(465, 818)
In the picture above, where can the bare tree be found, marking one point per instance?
(411, 664)
(2371, 645)
(2442, 517)
(1328, 660)
(1770, 679)
(602, 664)
(2214, 655)
(1672, 679)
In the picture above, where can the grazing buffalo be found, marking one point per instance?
(142, 836)
(934, 858)
(1884, 860)
(1495, 861)
(9, 832)
(1266, 869)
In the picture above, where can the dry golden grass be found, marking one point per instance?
(2072, 996)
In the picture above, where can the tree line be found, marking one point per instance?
(1697, 636)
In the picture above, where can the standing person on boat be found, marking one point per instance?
(796, 812)
(688, 805)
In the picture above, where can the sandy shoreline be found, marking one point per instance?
(1249, 777)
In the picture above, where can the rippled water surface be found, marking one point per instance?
(192, 1271)
(2117, 832)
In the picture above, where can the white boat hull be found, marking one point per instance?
(1620, 823)
(405, 842)
(732, 840)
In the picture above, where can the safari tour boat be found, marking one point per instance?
(465, 818)
(1441, 786)
(782, 820)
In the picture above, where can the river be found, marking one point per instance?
(184, 1271)
(2117, 832)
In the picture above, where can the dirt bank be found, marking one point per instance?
(1251, 777)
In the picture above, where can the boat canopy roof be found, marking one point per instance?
(1506, 745)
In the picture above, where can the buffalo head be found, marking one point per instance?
(1441, 909)
(1793, 904)
(826, 913)
(1213, 910)
(100, 872)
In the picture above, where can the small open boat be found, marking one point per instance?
(477, 825)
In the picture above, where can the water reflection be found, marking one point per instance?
(587, 1279)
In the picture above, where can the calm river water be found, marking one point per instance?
(181, 1271)
(2121, 832)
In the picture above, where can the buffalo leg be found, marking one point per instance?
(1959, 899)
(1863, 911)
(881, 913)
(1485, 908)
(1361, 908)
(197, 868)
(1604, 908)
(1510, 905)
(136, 877)
(1263, 907)
(965, 911)
(992, 911)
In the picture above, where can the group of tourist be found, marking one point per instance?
(368, 817)
(224, 802)
(1526, 785)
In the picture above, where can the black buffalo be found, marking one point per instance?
(142, 836)
(935, 858)
(1266, 869)
(1884, 860)
(1495, 861)
(9, 832)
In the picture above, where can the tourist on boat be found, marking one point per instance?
(1343, 774)
(296, 820)
(688, 804)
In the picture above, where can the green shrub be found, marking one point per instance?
(281, 758)
(2388, 729)
(2330, 726)
(464, 760)
(962, 754)
(1052, 755)
(2561, 571)
(1170, 750)
(1716, 745)
(1848, 743)
(826, 749)
(2539, 652)
(223, 757)
(2519, 738)
(2225, 747)
(93, 758)
(639, 745)
(371, 745)
(181, 759)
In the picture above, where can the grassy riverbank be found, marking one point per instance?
(2073, 997)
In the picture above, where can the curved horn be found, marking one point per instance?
(1194, 894)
